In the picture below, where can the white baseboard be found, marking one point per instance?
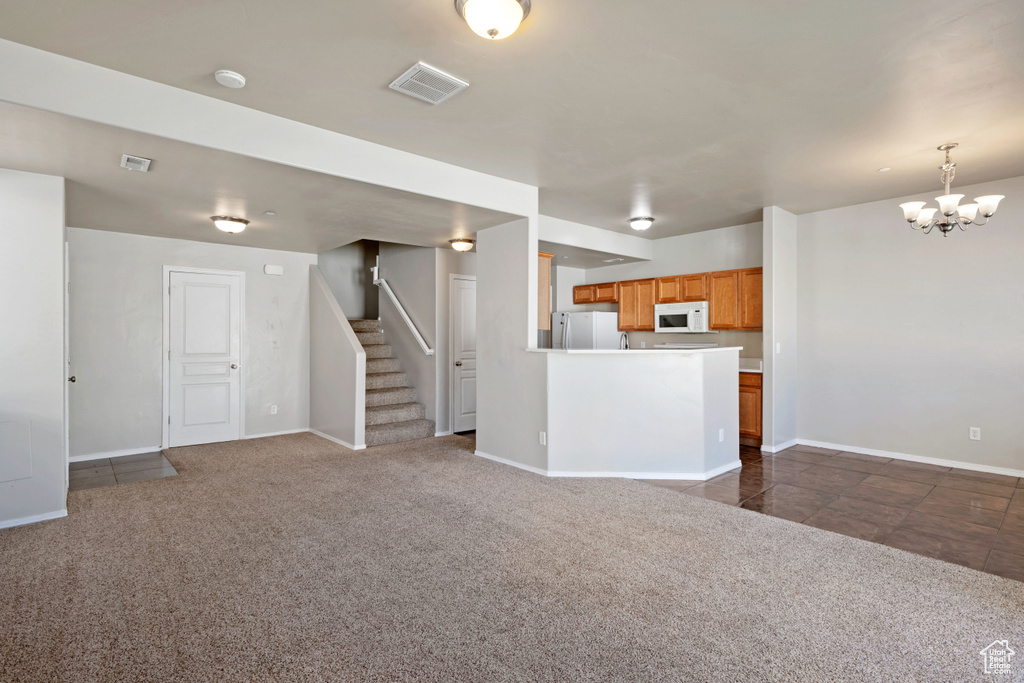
(287, 431)
(781, 447)
(115, 454)
(57, 514)
(914, 458)
(503, 461)
(338, 441)
(443, 433)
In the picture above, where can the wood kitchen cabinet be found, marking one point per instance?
(544, 290)
(636, 305)
(750, 408)
(736, 299)
(682, 288)
(604, 293)
(669, 290)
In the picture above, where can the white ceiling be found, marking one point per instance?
(709, 109)
(579, 257)
(186, 184)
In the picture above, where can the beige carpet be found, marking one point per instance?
(293, 559)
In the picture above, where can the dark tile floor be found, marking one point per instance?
(971, 518)
(93, 474)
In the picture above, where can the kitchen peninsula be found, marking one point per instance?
(646, 414)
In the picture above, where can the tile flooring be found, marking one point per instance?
(971, 518)
(93, 474)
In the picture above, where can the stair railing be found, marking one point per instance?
(386, 288)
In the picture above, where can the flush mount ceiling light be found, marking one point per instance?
(641, 222)
(230, 79)
(462, 244)
(493, 19)
(229, 223)
(951, 215)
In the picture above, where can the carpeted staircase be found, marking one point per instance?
(392, 413)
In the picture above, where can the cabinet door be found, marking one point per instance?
(583, 294)
(544, 291)
(693, 287)
(606, 293)
(646, 293)
(670, 290)
(724, 289)
(751, 299)
(750, 412)
(628, 306)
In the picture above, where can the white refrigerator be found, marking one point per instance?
(595, 330)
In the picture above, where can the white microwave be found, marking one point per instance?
(688, 318)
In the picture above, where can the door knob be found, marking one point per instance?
(234, 366)
(458, 364)
(71, 378)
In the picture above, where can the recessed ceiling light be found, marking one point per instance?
(230, 79)
(461, 244)
(229, 223)
(885, 169)
(270, 213)
(641, 222)
(612, 260)
(565, 257)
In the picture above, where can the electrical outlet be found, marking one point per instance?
(975, 433)
(643, 345)
(543, 438)
(721, 435)
(273, 409)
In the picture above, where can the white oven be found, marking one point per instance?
(688, 318)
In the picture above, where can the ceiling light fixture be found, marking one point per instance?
(612, 260)
(885, 169)
(230, 79)
(493, 19)
(950, 213)
(270, 213)
(641, 222)
(462, 244)
(229, 223)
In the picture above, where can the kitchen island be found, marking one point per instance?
(649, 414)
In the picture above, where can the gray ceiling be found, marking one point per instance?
(187, 184)
(710, 109)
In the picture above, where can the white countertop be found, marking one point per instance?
(755, 365)
(573, 352)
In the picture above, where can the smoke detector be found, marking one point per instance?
(134, 163)
(230, 79)
(426, 83)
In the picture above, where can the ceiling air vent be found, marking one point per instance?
(133, 163)
(428, 84)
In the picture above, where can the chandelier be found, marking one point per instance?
(951, 214)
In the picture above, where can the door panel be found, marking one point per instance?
(463, 355)
(205, 357)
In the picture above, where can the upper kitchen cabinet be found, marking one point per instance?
(636, 305)
(682, 288)
(735, 299)
(604, 293)
(669, 289)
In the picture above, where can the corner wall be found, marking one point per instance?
(779, 418)
(33, 463)
(347, 272)
(908, 340)
(116, 336)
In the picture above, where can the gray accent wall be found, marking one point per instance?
(33, 465)
(347, 272)
(116, 319)
(908, 340)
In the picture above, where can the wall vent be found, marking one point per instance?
(426, 83)
(134, 163)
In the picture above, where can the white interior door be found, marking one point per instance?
(463, 354)
(205, 344)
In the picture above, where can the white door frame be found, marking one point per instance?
(165, 438)
(451, 346)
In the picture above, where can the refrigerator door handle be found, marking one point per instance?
(566, 333)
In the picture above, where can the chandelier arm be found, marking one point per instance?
(979, 221)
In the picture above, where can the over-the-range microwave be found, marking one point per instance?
(688, 318)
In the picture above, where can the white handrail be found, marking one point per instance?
(383, 284)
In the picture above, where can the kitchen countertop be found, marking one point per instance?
(754, 365)
(660, 352)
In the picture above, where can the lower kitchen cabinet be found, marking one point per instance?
(750, 408)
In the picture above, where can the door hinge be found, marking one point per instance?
(168, 354)
(168, 419)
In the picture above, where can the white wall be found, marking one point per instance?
(588, 237)
(412, 274)
(563, 279)
(347, 272)
(449, 262)
(337, 369)
(512, 383)
(908, 340)
(781, 346)
(33, 464)
(116, 308)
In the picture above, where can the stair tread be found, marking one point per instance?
(392, 406)
(399, 425)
